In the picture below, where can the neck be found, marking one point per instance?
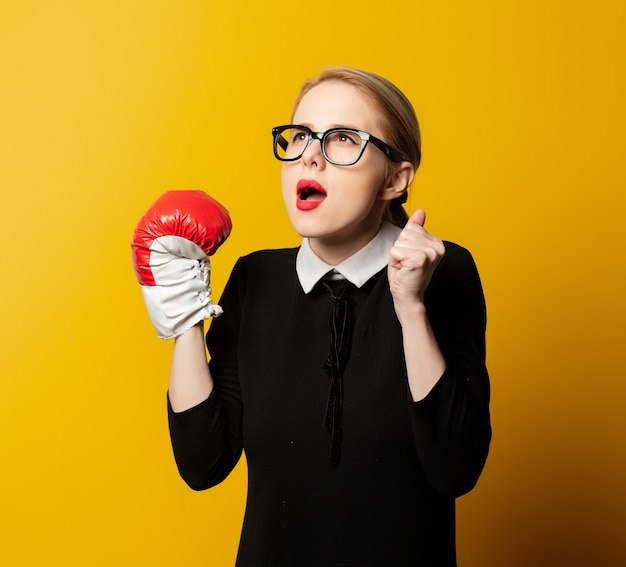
(335, 249)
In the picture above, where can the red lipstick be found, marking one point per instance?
(309, 194)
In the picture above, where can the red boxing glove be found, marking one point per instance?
(170, 248)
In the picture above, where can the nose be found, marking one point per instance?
(313, 156)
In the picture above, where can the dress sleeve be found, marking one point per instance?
(206, 439)
(452, 424)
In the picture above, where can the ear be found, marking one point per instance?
(398, 180)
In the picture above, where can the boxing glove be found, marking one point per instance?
(170, 248)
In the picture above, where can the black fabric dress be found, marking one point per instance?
(388, 500)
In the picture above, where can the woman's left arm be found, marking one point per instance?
(413, 259)
(440, 305)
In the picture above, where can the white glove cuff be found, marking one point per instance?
(172, 317)
(181, 297)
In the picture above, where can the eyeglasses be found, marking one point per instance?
(340, 146)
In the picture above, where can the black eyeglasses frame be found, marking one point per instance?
(391, 153)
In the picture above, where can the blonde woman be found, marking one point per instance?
(351, 370)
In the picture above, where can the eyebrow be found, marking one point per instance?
(332, 126)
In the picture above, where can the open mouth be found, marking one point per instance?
(309, 194)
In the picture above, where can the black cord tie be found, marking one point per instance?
(341, 334)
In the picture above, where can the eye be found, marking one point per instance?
(344, 137)
(298, 136)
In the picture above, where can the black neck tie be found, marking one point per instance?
(341, 333)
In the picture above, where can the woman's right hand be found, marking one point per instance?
(171, 246)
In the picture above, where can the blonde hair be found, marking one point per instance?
(399, 122)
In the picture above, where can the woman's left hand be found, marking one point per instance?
(412, 261)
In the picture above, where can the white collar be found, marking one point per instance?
(357, 269)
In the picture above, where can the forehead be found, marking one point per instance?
(332, 104)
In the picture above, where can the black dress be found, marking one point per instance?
(387, 498)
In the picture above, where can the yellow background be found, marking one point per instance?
(106, 105)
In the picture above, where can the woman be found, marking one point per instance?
(351, 370)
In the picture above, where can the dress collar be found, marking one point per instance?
(357, 269)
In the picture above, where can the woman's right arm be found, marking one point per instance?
(190, 378)
(204, 400)
(206, 439)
